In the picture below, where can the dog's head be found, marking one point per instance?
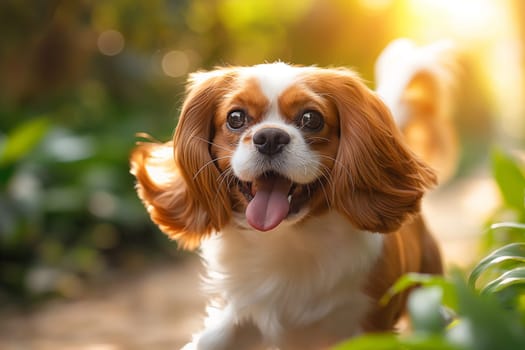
(274, 144)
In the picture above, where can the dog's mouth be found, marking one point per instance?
(272, 198)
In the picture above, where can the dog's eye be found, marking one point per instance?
(310, 120)
(236, 119)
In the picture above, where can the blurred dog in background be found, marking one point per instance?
(418, 84)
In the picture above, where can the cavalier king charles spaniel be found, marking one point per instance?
(298, 189)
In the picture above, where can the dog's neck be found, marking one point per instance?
(296, 264)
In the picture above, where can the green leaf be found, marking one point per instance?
(511, 297)
(395, 342)
(410, 280)
(514, 277)
(22, 140)
(503, 233)
(424, 306)
(373, 341)
(511, 255)
(508, 225)
(510, 179)
(490, 326)
(407, 281)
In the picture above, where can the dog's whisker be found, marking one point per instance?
(224, 176)
(212, 161)
(328, 178)
(342, 166)
(314, 139)
(211, 143)
(325, 174)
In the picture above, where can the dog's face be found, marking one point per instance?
(278, 144)
(276, 140)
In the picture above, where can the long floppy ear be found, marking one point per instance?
(178, 181)
(377, 181)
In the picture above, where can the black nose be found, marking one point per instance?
(270, 141)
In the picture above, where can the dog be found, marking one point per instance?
(303, 198)
(418, 84)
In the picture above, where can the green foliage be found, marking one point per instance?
(491, 317)
(507, 224)
(485, 310)
(410, 279)
(22, 140)
(511, 181)
(394, 342)
(68, 211)
(508, 257)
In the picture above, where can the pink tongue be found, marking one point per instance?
(269, 206)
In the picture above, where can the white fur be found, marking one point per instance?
(297, 161)
(286, 279)
(401, 60)
(274, 78)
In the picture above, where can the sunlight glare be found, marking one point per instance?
(463, 14)
(375, 5)
(487, 29)
(466, 18)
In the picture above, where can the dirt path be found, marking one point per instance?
(161, 307)
(157, 309)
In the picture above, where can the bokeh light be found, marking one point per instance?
(175, 63)
(110, 42)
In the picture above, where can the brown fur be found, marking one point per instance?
(186, 202)
(429, 130)
(378, 181)
(411, 249)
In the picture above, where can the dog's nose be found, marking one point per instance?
(270, 141)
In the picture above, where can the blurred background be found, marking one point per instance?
(79, 79)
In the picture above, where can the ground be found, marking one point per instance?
(160, 307)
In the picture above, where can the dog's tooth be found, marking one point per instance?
(289, 199)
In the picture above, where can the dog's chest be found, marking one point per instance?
(293, 276)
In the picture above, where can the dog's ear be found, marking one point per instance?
(178, 181)
(377, 181)
(165, 194)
